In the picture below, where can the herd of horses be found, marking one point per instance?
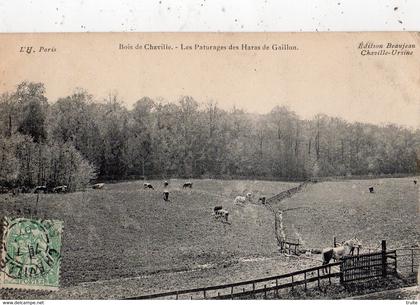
(336, 253)
(240, 200)
(148, 185)
(218, 211)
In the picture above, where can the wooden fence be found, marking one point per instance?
(368, 266)
(286, 194)
(408, 260)
(290, 246)
(287, 245)
(304, 278)
(349, 269)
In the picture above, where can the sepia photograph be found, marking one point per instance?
(225, 166)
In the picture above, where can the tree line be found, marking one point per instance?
(76, 139)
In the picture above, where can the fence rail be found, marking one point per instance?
(349, 269)
(408, 259)
(286, 244)
(289, 245)
(368, 265)
(292, 285)
(287, 193)
(302, 277)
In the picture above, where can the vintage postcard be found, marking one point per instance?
(210, 165)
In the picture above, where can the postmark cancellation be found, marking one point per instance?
(31, 253)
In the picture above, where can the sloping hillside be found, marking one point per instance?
(126, 231)
(347, 208)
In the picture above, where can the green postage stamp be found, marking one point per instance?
(31, 254)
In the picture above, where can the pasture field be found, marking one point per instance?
(346, 209)
(125, 231)
(127, 241)
(222, 188)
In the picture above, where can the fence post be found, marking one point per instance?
(177, 294)
(231, 292)
(335, 241)
(412, 260)
(384, 258)
(395, 261)
(253, 289)
(265, 291)
(204, 293)
(305, 280)
(329, 274)
(319, 284)
(292, 283)
(277, 287)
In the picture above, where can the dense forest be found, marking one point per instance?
(76, 139)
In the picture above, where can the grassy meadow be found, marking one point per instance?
(346, 208)
(126, 240)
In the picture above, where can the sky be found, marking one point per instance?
(325, 74)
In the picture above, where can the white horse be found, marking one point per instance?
(353, 243)
(242, 199)
(239, 200)
(337, 253)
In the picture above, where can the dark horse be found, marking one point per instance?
(187, 184)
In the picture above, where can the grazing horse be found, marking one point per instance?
(217, 208)
(337, 253)
(60, 189)
(224, 214)
(98, 186)
(242, 199)
(239, 200)
(166, 195)
(187, 184)
(41, 188)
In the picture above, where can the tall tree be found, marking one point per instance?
(140, 135)
(32, 105)
(73, 119)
